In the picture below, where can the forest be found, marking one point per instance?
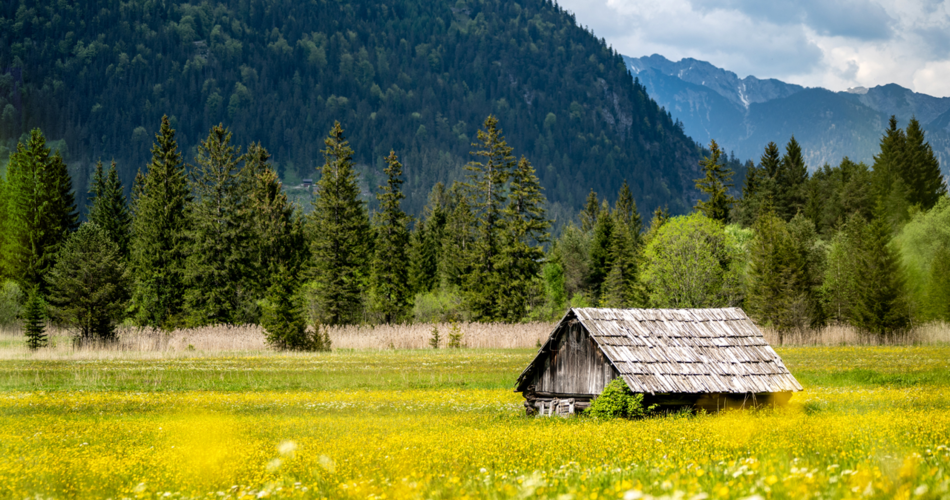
(219, 243)
(411, 76)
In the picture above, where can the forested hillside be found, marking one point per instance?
(417, 77)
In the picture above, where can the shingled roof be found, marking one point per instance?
(666, 351)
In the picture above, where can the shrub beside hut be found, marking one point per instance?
(704, 358)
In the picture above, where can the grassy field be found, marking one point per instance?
(873, 422)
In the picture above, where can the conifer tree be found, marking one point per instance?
(601, 258)
(790, 182)
(881, 307)
(621, 287)
(486, 183)
(41, 211)
(716, 185)
(776, 275)
(218, 263)
(34, 320)
(924, 180)
(425, 248)
(340, 247)
(277, 239)
(281, 316)
(108, 208)
(525, 230)
(158, 244)
(458, 243)
(5, 226)
(392, 294)
(89, 285)
(590, 212)
(889, 184)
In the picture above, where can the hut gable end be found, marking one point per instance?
(571, 363)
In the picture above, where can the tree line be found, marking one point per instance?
(218, 242)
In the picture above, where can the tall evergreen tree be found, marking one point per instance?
(277, 239)
(620, 286)
(590, 211)
(5, 226)
(218, 263)
(282, 319)
(790, 182)
(881, 307)
(458, 243)
(890, 187)
(41, 211)
(34, 320)
(776, 276)
(340, 247)
(108, 208)
(924, 180)
(391, 290)
(158, 243)
(486, 181)
(525, 230)
(425, 248)
(715, 184)
(601, 258)
(89, 285)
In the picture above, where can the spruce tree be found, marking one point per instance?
(776, 275)
(889, 185)
(601, 258)
(458, 243)
(525, 231)
(716, 185)
(340, 247)
(924, 180)
(41, 211)
(282, 318)
(486, 182)
(217, 270)
(158, 245)
(89, 285)
(277, 239)
(790, 182)
(590, 211)
(621, 288)
(5, 226)
(108, 208)
(34, 320)
(391, 290)
(881, 307)
(425, 247)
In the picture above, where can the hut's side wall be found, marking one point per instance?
(575, 366)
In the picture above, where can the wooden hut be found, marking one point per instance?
(705, 358)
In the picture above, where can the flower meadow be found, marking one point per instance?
(873, 422)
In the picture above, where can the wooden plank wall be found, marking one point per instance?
(575, 366)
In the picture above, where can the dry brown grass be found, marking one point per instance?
(250, 339)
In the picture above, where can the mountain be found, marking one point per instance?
(744, 114)
(419, 77)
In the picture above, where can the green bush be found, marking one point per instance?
(10, 297)
(618, 401)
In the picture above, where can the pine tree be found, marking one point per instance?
(41, 211)
(392, 295)
(277, 239)
(340, 247)
(34, 320)
(89, 285)
(282, 319)
(889, 184)
(924, 180)
(108, 208)
(716, 185)
(158, 243)
(525, 231)
(590, 212)
(217, 270)
(881, 307)
(486, 182)
(790, 182)
(601, 258)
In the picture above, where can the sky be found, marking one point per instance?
(835, 44)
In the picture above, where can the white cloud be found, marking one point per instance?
(810, 42)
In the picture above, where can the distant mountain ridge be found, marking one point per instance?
(744, 114)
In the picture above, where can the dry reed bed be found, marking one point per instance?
(250, 338)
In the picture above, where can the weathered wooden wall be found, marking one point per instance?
(575, 366)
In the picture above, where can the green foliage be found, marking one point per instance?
(882, 307)
(89, 285)
(924, 243)
(217, 266)
(34, 320)
(690, 264)
(618, 401)
(601, 258)
(790, 182)
(11, 297)
(554, 288)
(715, 185)
(341, 236)
(455, 337)
(834, 194)
(41, 211)
(391, 289)
(108, 208)
(283, 71)
(282, 319)
(925, 182)
(158, 246)
(438, 306)
(434, 338)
